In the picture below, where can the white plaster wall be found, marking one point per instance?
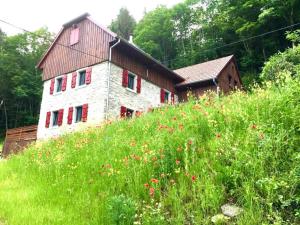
(121, 96)
(94, 94)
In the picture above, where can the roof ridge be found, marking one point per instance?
(229, 56)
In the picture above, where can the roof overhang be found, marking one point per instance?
(140, 55)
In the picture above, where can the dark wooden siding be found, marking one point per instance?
(223, 80)
(92, 40)
(199, 89)
(18, 138)
(126, 61)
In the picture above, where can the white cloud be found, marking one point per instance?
(33, 14)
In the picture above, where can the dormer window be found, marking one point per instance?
(74, 36)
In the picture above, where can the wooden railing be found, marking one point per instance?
(18, 138)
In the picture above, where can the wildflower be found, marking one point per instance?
(190, 142)
(146, 185)
(154, 158)
(172, 181)
(194, 178)
(132, 143)
(177, 162)
(218, 135)
(155, 181)
(253, 126)
(162, 175)
(151, 191)
(181, 126)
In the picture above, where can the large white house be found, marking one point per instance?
(90, 74)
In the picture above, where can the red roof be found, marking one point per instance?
(203, 71)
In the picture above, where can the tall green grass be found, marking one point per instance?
(177, 165)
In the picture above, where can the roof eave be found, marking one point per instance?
(178, 77)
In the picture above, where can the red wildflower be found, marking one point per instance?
(174, 118)
(194, 178)
(151, 191)
(218, 135)
(190, 142)
(155, 181)
(253, 126)
(177, 162)
(146, 185)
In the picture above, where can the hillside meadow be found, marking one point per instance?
(176, 165)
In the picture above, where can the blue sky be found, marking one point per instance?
(33, 14)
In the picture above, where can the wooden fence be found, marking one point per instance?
(18, 138)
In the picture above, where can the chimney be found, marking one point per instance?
(131, 39)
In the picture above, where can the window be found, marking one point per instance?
(59, 84)
(129, 113)
(131, 78)
(78, 114)
(166, 98)
(82, 78)
(229, 79)
(74, 35)
(55, 118)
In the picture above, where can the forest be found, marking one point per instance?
(190, 32)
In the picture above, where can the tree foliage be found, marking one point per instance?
(198, 30)
(124, 24)
(21, 84)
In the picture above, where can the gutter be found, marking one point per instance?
(109, 74)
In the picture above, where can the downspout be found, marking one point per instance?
(109, 74)
(218, 88)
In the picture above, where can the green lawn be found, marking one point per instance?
(177, 165)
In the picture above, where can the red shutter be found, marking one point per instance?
(52, 86)
(88, 75)
(138, 86)
(48, 116)
(123, 111)
(84, 112)
(70, 115)
(74, 36)
(172, 98)
(74, 76)
(125, 78)
(60, 117)
(64, 83)
(162, 95)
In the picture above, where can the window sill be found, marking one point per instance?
(81, 86)
(57, 93)
(129, 89)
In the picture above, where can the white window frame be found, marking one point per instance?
(134, 82)
(169, 96)
(75, 114)
(52, 118)
(78, 78)
(56, 83)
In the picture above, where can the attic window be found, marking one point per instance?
(74, 36)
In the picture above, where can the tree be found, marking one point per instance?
(21, 84)
(124, 24)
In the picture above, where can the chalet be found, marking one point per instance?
(90, 74)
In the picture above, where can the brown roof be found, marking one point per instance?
(203, 71)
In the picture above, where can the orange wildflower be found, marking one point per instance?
(146, 185)
(177, 162)
(218, 135)
(151, 191)
(253, 126)
(155, 181)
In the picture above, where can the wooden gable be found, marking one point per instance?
(91, 48)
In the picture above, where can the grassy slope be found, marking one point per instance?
(241, 148)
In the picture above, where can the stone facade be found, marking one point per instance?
(95, 95)
(149, 97)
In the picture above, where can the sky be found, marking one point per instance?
(33, 14)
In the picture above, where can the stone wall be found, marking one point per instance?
(121, 96)
(94, 95)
